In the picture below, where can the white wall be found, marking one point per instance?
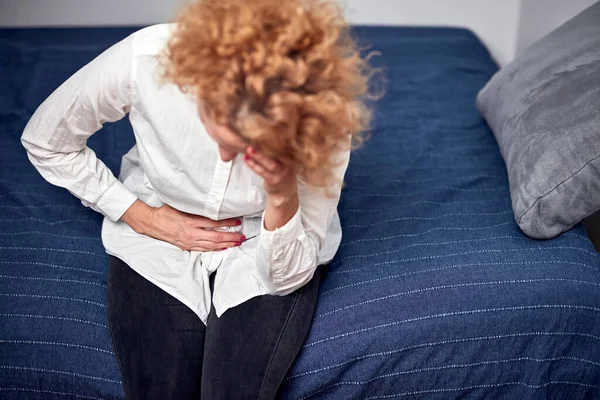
(540, 17)
(20, 13)
(494, 21)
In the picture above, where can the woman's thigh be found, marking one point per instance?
(250, 348)
(158, 341)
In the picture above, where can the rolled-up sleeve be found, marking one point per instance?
(288, 256)
(56, 136)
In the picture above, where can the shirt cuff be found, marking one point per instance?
(285, 234)
(115, 201)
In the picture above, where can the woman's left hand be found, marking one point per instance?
(279, 175)
(281, 185)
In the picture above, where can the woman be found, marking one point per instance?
(243, 113)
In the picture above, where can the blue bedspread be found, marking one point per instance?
(434, 294)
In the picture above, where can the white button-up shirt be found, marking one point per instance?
(175, 162)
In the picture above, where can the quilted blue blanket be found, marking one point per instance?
(434, 293)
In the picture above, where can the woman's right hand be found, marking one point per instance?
(186, 231)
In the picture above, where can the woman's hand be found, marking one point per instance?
(186, 231)
(281, 185)
(279, 175)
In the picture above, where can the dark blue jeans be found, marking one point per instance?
(164, 351)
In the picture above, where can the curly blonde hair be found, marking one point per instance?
(285, 75)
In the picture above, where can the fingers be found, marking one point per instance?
(263, 162)
(220, 237)
(264, 166)
(199, 221)
(228, 222)
(212, 246)
(196, 233)
(256, 167)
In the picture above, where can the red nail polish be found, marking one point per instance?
(246, 157)
(238, 244)
(243, 238)
(238, 222)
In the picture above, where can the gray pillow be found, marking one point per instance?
(544, 110)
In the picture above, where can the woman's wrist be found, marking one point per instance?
(280, 209)
(139, 217)
(282, 199)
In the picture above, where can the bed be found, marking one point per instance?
(435, 293)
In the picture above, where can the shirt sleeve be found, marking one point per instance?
(287, 257)
(55, 137)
